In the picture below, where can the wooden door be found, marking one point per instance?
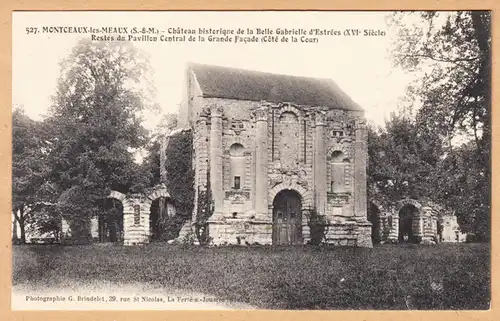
(287, 228)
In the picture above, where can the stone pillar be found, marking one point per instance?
(94, 228)
(394, 232)
(163, 158)
(320, 163)
(201, 164)
(261, 161)
(416, 224)
(216, 178)
(360, 164)
(427, 224)
(136, 221)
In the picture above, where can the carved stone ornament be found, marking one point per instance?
(237, 126)
(241, 227)
(338, 199)
(237, 195)
(340, 130)
(216, 110)
(320, 118)
(338, 115)
(359, 124)
(237, 199)
(137, 214)
(261, 113)
(288, 177)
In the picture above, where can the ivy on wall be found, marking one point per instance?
(180, 180)
(205, 209)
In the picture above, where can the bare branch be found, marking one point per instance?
(442, 59)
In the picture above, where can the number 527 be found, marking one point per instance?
(31, 30)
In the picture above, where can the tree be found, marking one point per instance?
(451, 54)
(95, 127)
(29, 167)
(462, 181)
(44, 219)
(403, 158)
(157, 144)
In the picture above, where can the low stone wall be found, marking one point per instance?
(244, 232)
(240, 232)
(349, 234)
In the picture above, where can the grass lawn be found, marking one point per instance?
(444, 276)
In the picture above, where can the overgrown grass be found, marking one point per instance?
(445, 276)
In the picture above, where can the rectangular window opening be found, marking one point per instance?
(237, 182)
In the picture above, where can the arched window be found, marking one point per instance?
(338, 162)
(237, 163)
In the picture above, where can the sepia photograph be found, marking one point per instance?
(251, 160)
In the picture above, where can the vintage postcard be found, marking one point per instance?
(251, 160)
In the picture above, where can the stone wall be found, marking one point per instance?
(136, 214)
(240, 232)
(276, 157)
(425, 223)
(451, 231)
(135, 218)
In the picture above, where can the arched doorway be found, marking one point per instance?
(161, 211)
(287, 219)
(373, 217)
(110, 221)
(407, 231)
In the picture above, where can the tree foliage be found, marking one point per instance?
(29, 166)
(452, 53)
(95, 127)
(418, 156)
(179, 179)
(402, 159)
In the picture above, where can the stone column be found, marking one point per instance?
(163, 158)
(360, 163)
(201, 164)
(320, 163)
(136, 221)
(426, 228)
(216, 159)
(394, 232)
(261, 161)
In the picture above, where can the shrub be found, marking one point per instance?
(318, 226)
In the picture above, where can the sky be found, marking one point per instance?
(360, 65)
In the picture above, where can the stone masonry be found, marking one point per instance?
(136, 212)
(277, 148)
(429, 223)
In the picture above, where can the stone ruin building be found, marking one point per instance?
(274, 150)
(411, 221)
(135, 222)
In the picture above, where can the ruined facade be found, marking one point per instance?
(274, 150)
(412, 221)
(136, 220)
